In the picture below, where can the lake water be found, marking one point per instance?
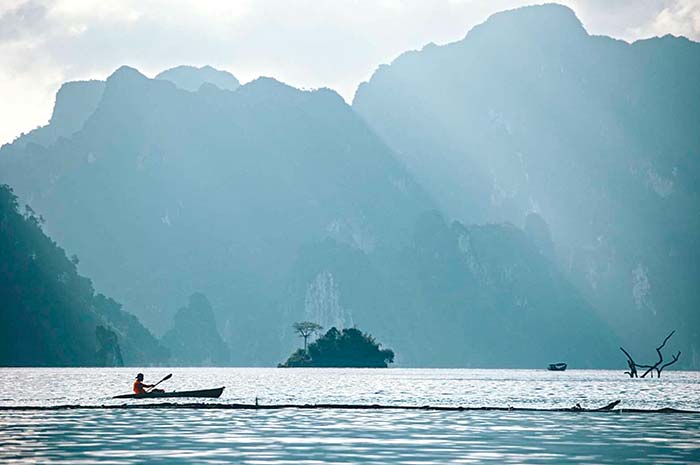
(351, 436)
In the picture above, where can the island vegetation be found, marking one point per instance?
(346, 348)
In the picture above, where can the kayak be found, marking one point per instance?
(210, 393)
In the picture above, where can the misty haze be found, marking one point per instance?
(504, 225)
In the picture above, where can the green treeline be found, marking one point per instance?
(347, 348)
(49, 314)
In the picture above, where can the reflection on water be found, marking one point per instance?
(341, 436)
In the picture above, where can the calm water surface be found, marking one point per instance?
(469, 388)
(349, 436)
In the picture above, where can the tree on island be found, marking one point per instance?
(306, 329)
(349, 348)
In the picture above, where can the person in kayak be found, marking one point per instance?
(140, 386)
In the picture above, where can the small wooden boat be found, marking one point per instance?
(561, 366)
(210, 393)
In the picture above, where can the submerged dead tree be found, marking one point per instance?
(658, 366)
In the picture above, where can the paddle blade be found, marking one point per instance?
(164, 379)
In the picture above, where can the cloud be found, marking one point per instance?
(680, 18)
(21, 20)
(306, 43)
(639, 19)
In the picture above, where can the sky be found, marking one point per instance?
(305, 43)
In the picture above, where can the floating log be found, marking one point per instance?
(218, 406)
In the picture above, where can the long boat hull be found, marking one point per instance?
(210, 393)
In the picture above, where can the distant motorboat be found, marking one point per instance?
(561, 366)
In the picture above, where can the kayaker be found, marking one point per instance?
(140, 387)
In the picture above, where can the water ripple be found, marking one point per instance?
(436, 387)
(298, 436)
(338, 436)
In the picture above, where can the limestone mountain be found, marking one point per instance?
(454, 296)
(164, 192)
(283, 205)
(599, 137)
(194, 339)
(75, 102)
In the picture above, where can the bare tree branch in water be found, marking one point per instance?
(631, 364)
(658, 366)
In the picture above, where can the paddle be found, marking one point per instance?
(164, 379)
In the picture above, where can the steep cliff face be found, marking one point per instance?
(528, 113)
(457, 295)
(75, 102)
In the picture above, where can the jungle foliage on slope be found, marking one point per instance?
(49, 314)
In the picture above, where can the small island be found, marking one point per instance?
(349, 348)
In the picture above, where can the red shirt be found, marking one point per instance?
(138, 387)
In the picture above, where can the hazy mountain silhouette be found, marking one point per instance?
(75, 102)
(281, 204)
(529, 113)
(50, 315)
(165, 192)
(191, 78)
(456, 295)
(194, 339)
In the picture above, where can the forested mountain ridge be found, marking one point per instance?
(49, 314)
(599, 137)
